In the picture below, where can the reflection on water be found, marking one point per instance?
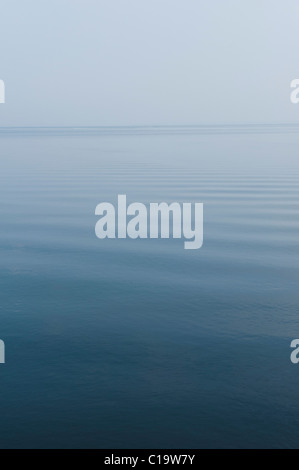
(139, 343)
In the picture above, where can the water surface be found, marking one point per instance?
(140, 343)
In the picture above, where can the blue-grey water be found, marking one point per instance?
(140, 343)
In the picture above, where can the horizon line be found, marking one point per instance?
(151, 125)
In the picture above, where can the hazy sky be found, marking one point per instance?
(139, 62)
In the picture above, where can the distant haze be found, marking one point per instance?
(144, 62)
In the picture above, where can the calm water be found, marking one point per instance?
(127, 344)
